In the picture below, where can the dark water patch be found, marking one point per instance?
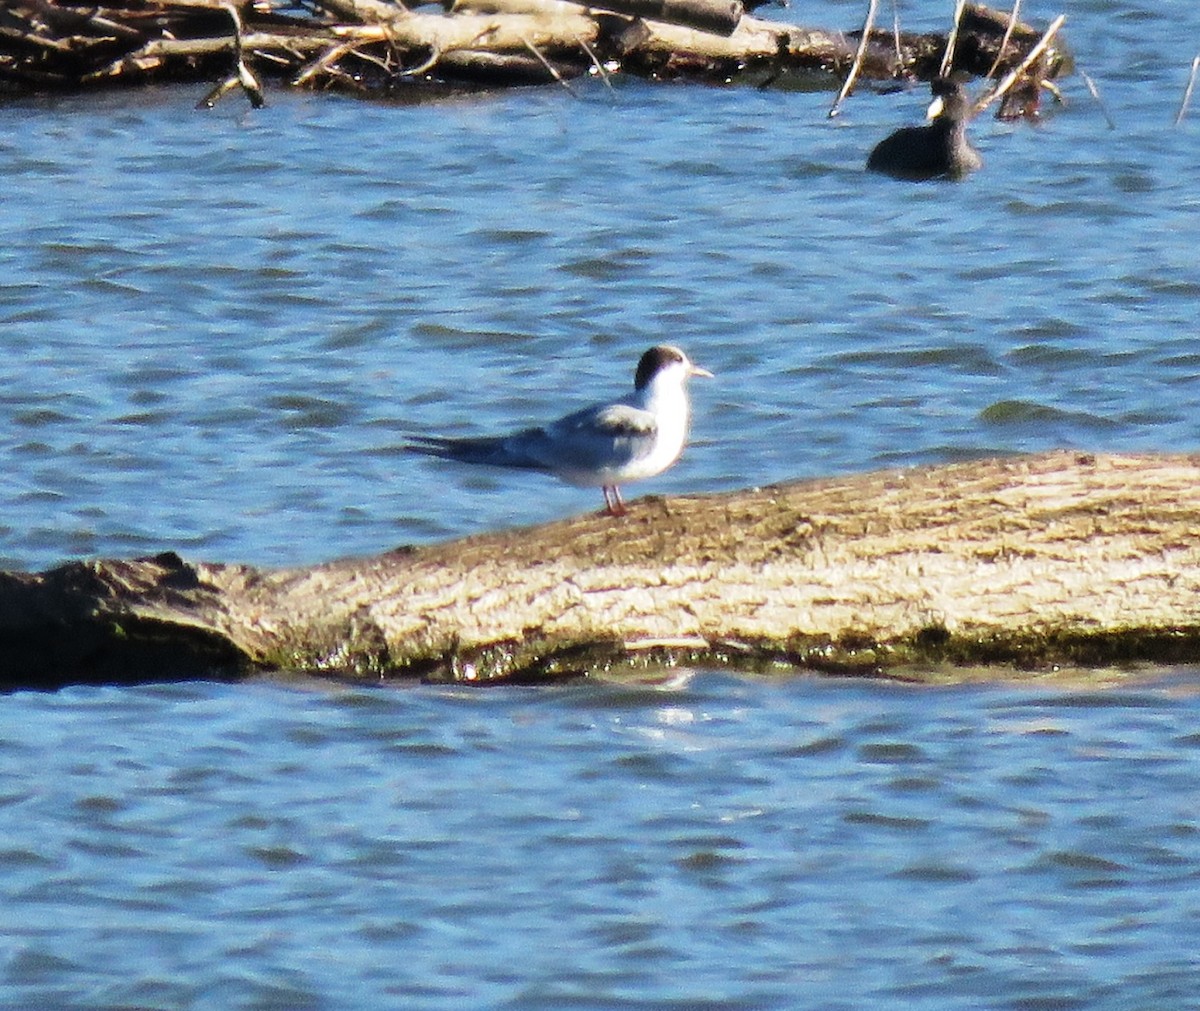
(706, 862)
(300, 411)
(41, 417)
(702, 169)
(1151, 418)
(914, 784)
(456, 338)
(817, 746)
(16, 860)
(873, 819)
(1051, 356)
(1111, 699)
(620, 264)
(935, 872)
(111, 285)
(277, 857)
(890, 753)
(32, 965)
(1029, 413)
(142, 419)
(1189, 361)
(1165, 287)
(1135, 182)
(512, 236)
(973, 360)
(1075, 860)
(1052, 328)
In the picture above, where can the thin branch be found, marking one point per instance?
(1095, 93)
(242, 75)
(250, 84)
(896, 35)
(1011, 77)
(1187, 92)
(219, 92)
(323, 62)
(858, 59)
(952, 41)
(1008, 30)
(550, 67)
(605, 76)
(429, 63)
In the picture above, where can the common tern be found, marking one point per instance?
(603, 446)
(939, 149)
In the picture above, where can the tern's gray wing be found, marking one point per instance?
(608, 437)
(596, 438)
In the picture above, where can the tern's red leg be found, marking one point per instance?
(614, 504)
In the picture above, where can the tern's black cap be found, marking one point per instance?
(658, 357)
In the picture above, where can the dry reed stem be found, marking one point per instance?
(858, 59)
(1095, 93)
(896, 33)
(550, 67)
(604, 74)
(324, 62)
(1187, 92)
(952, 40)
(1012, 76)
(1008, 30)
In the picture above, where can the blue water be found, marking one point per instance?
(702, 843)
(220, 327)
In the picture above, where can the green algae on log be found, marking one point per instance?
(1018, 562)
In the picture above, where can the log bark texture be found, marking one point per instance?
(1022, 562)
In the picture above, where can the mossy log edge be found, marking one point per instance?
(1016, 562)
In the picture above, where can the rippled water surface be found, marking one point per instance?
(219, 326)
(699, 843)
(218, 329)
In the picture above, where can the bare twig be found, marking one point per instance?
(604, 74)
(848, 83)
(1011, 77)
(1095, 93)
(429, 63)
(158, 51)
(250, 84)
(896, 34)
(550, 67)
(242, 74)
(324, 62)
(952, 41)
(1187, 92)
(219, 92)
(1008, 30)
(94, 21)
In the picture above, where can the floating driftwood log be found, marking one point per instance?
(375, 46)
(1021, 562)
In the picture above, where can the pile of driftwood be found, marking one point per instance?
(382, 47)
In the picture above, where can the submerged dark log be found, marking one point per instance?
(374, 45)
(1019, 562)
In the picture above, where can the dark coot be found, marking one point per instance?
(939, 149)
